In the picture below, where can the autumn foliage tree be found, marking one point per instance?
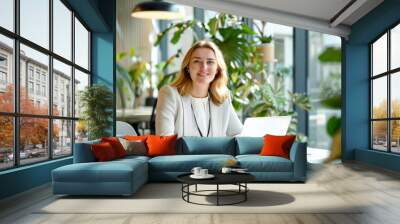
(380, 127)
(33, 130)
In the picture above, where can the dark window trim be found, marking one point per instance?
(388, 74)
(16, 114)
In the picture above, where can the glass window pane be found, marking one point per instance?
(395, 94)
(35, 21)
(7, 14)
(33, 139)
(62, 29)
(6, 74)
(379, 55)
(81, 45)
(6, 142)
(379, 98)
(62, 89)
(395, 47)
(395, 136)
(81, 81)
(62, 138)
(324, 82)
(34, 96)
(81, 131)
(379, 135)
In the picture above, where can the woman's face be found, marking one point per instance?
(203, 66)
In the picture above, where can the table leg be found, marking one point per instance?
(245, 193)
(217, 194)
(196, 188)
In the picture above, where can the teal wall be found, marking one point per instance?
(99, 16)
(355, 111)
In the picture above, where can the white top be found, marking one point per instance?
(201, 115)
(174, 115)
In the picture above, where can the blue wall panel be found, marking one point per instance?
(356, 84)
(24, 178)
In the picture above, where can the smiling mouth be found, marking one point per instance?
(202, 74)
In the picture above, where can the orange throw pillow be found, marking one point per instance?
(161, 145)
(116, 145)
(103, 151)
(136, 138)
(277, 145)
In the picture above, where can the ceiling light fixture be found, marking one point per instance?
(157, 10)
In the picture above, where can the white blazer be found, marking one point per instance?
(174, 116)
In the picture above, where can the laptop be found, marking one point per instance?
(260, 126)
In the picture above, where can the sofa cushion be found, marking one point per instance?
(103, 151)
(161, 145)
(249, 145)
(116, 145)
(277, 145)
(257, 163)
(111, 171)
(185, 163)
(83, 153)
(209, 145)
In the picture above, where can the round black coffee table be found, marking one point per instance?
(238, 179)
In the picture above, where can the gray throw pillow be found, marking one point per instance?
(134, 147)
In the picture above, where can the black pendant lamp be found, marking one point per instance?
(157, 10)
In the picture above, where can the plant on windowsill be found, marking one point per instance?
(134, 75)
(265, 47)
(96, 102)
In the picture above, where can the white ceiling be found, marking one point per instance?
(316, 15)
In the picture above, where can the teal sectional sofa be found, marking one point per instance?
(125, 176)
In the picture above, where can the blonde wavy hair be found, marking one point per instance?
(218, 89)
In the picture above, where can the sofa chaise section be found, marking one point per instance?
(87, 177)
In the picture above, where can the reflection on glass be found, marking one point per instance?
(62, 89)
(395, 95)
(395, 136)
(62, 138)
(379, 56)
(6, 74)
(185, 42)
(6, 142)
(81, 131)
(322, 78)
(35, 21)
(34, 73)
(379, 98)
(81, 81)
(7, 14)
(379, 135)
(33, 139)
(81, 45)
(62, 29)
(395, 47)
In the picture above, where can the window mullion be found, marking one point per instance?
(50, 81)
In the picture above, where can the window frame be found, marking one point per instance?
(16, 115)
(388, 74)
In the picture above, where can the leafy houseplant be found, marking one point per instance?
(96, 103)
(132, 78)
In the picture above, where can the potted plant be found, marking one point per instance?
(265, 47)
(96, 102)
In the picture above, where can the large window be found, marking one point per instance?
(44, 63)
(385, 94)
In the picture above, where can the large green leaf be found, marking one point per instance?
(333, 125)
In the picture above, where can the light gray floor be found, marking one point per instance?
(378, 188)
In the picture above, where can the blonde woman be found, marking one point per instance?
(198, 103)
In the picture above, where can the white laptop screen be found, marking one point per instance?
(260, 126)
